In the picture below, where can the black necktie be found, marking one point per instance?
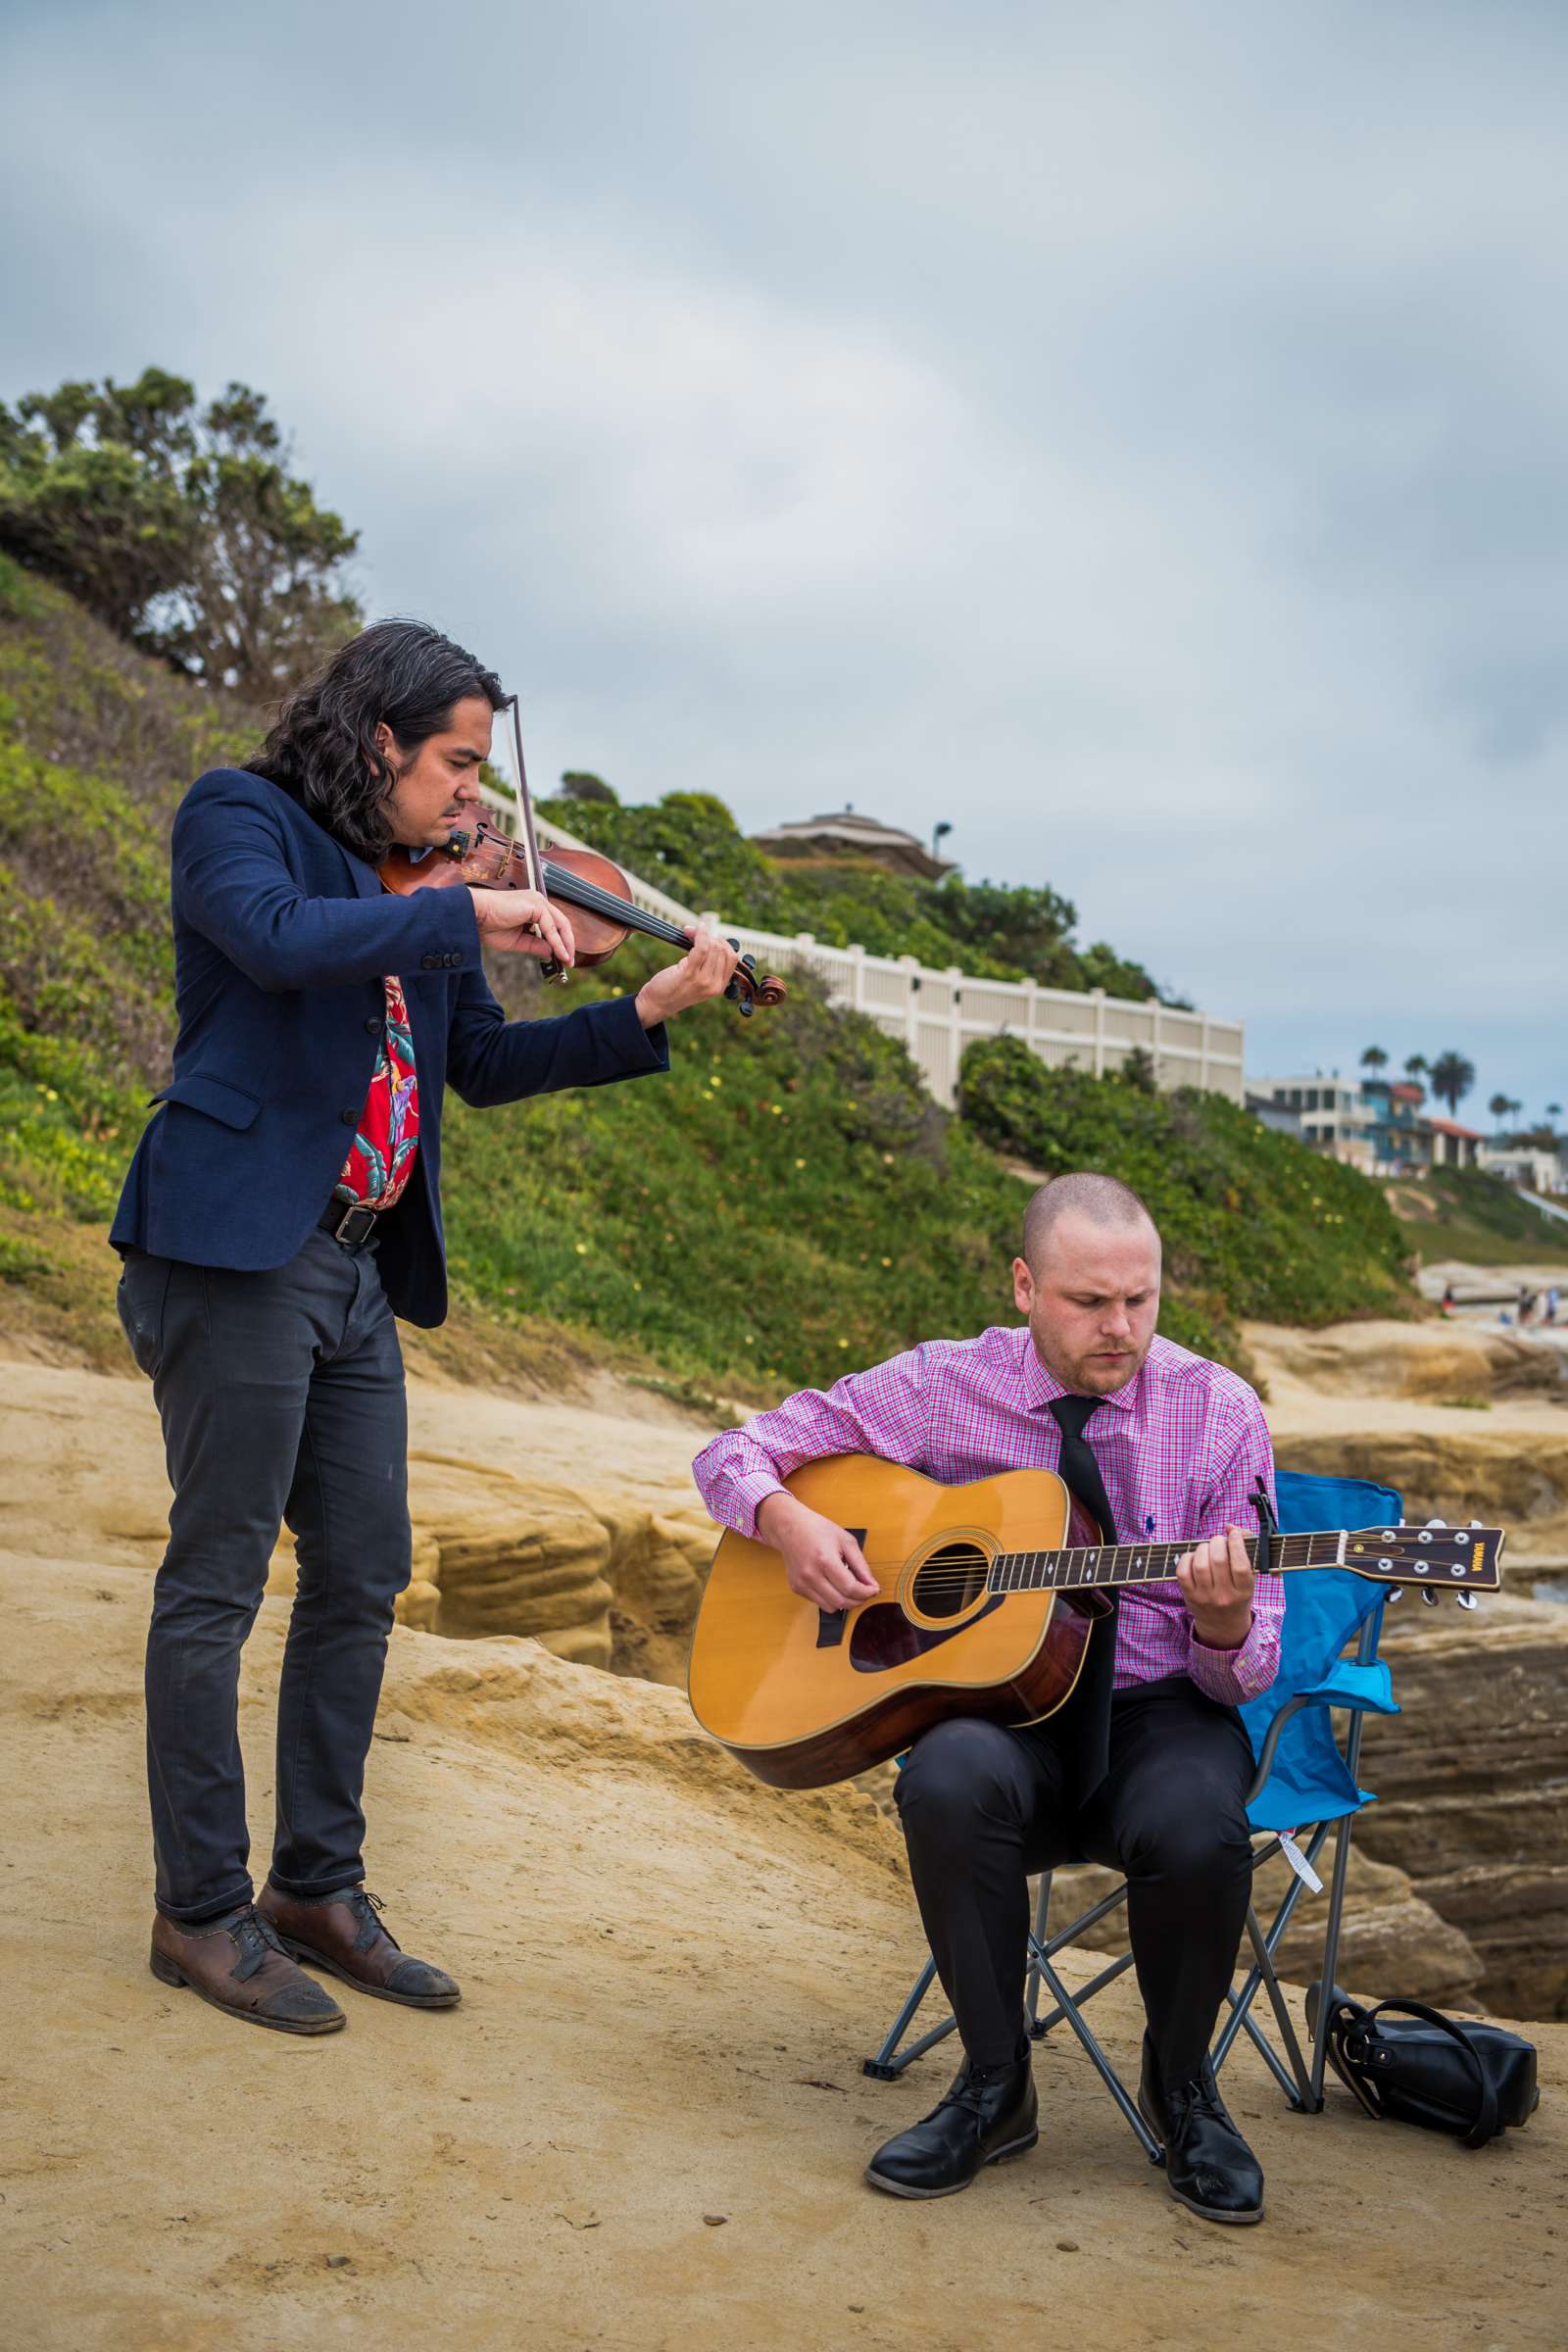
(1079, 1469)
(1081, 1728)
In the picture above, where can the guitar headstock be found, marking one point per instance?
(1463, 1560)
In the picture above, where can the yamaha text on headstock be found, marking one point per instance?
(988, 1593)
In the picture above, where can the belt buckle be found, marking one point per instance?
(341, 1232)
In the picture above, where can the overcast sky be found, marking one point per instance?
(1132, 431)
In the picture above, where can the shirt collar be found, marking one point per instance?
(1038, 1384)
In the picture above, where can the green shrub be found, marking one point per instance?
(1254, 1224)
(786, 1203)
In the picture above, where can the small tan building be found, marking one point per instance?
(851, 835)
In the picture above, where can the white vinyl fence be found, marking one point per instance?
(936, 1013)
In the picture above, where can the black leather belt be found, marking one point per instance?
(350, 1223)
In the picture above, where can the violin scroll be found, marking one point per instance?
(748, 987)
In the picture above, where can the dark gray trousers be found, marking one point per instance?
(983, 1808)
(283, 1400)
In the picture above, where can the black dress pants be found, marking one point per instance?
(282, 1396)
(983, 1807)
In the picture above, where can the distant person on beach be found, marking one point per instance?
(282, 1208)
(1553, 1299)
(1528, 1299)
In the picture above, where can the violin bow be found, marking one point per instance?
(530, 842)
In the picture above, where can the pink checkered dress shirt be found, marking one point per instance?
(1180, 1448)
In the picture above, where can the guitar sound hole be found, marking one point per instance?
(950, 1581)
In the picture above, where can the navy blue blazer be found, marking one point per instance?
(282, 942)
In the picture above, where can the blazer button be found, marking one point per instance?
(350, 1118)
(372, 1024)
(453, 958)
(427, 963)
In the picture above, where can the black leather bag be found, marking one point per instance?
(1412, 2064)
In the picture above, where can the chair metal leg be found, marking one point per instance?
(1272, 2059)
(1031, 1989)
(1067, 2008)
(884, 2067)
(1086, 1992)
(1331, 1944)
(1282, 2014)
(1253, 1983)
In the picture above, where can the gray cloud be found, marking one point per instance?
(1131, 433)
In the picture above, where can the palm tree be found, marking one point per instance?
(1554, 1112)
(1499, 1107)
(1416, 1069)
(1452, 1077)
(1374, 1059)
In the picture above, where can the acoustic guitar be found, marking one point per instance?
(989, 1595)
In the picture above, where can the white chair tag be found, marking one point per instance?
(1298, 1861)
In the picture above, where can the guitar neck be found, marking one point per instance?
(1147, 1563)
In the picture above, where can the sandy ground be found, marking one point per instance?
(646, 2125)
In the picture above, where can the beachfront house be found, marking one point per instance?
(1394, 1125)
(1332, 1114)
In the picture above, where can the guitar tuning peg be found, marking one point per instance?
(1466, 1600)
(1430, 1597)
(1443, 1523)
(1395, 1592)
(1474, 1523)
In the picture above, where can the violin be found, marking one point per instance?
(603, 912)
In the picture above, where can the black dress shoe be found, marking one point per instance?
(988, 2113)
(1208, 2166)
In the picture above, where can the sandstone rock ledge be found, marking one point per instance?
(601, 1578)
(1472, 1789)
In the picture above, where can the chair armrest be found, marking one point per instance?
(1359, 1689)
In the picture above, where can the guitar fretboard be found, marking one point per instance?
(1143, 1563)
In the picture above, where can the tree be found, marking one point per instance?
(1028, 927)
(580, 784)
(1553, 1113)
(1451, 1078)
(181, 527)
(1374, 1059)
(1416, 1066)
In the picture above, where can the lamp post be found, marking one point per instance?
(937, 835)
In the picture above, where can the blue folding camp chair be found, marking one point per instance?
(1306, 1782)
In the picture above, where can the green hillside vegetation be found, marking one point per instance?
(690, 845)
(1469, 1214)
(786, 1202)
(1253, 1223)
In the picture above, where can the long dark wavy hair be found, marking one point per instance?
(398, 674)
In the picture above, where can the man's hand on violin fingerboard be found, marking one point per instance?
(705, 971)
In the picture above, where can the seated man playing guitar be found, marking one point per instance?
(1146, 1765)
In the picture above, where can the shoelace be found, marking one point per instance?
(256, 1937)
(967, 2092)
(1198, 2094)
(367, 1908)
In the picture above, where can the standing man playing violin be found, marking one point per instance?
(1146, 1765)
(282, 1208)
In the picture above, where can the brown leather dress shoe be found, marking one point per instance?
(343, 1932)
(238, 1964)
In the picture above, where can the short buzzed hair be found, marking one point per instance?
(1102, 1200)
